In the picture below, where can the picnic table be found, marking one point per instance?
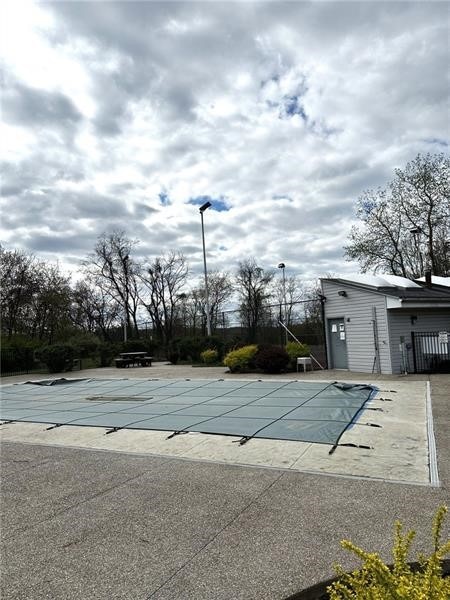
(136, 359)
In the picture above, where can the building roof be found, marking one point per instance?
(436, 280)
(406, 291)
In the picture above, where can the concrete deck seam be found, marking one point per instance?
(292, 466)
(69, 508)
(216, 535)
(25, 469)
(432, 453)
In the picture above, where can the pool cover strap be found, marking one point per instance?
(172, 435)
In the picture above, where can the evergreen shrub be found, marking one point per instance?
(58, 357)
(107, 351)
(139, 346)
(86, 345)
(173, 354)
(190, 348)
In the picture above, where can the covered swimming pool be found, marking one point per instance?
(317, 412)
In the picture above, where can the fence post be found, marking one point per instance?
(413, 343)
(280, 328)
(223, 326)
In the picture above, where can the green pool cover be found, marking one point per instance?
(284, 410)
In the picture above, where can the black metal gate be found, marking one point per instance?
(431, 351)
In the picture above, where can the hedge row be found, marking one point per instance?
(266, 358)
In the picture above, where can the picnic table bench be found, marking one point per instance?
(135, 359)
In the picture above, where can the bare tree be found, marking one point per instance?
(253, 288)
(112, 268)
(94, 311)
(406, 226)
(164, 280)
(295, 293)
(220, 289)
(194, 310)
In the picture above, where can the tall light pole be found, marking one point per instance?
(282, 266)
(208, 316)
(125, 308)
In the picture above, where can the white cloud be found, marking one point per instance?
(286, 110)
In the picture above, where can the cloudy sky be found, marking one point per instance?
(127, 115)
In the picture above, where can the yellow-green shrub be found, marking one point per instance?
(375, 580)
(209, 356)
(296, 349)
(242, 359)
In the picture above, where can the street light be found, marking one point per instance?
(282, 266)
(208, 316)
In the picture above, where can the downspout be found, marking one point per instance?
(375, 340)
(324, 329)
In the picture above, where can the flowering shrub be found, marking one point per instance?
(242, 359)
(209, 356)
(376, 581)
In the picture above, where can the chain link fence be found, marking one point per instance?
(236, 327)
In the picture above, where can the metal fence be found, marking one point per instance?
(304, 323)
(234, 327)
(431, 351)
(20, 361)
(23, 361)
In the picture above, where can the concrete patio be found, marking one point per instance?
(117, 521)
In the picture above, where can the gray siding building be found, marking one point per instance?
(386, 324)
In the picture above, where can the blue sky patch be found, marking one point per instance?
(218, 204)
(292, 106)
(164, 198)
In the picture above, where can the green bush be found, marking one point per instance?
(86, 345)
(242, 359)
(190, 348)
(271, 359)
(376, 580)
(209, 356)
(139, 346)
(234, 343)
(295, 350)
(216, 343)
(107, 351)
(58, 357)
